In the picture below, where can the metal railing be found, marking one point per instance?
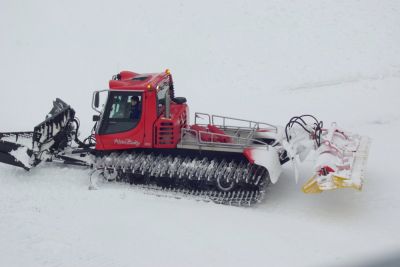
(201, 135)
(212, 119)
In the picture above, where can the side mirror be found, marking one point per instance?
(96, 117)
(96, 100)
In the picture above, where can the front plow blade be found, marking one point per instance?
(14, 153)
(341, 162)
(28, 149)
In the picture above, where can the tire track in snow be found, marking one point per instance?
(348, 80)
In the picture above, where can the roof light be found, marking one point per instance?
(167, 71)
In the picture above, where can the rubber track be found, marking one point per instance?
(191, 177)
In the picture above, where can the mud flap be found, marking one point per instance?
(267, 157)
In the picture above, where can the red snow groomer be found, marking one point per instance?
(142, 135)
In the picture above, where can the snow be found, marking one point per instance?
(259, 60)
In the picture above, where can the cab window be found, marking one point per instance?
(161, 96)
(122, 113)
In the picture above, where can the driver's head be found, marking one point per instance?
(134, 100)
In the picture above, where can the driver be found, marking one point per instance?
(135, 108)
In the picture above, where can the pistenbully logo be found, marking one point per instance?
(126, 141)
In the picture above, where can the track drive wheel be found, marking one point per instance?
(110, 175)
(224, 185)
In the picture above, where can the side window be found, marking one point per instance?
(161, 95)
(122, 113)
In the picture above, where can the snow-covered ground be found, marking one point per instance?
(262, 60)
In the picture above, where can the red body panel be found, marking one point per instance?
(126, 82)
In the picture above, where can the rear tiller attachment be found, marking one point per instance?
(340, 156)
